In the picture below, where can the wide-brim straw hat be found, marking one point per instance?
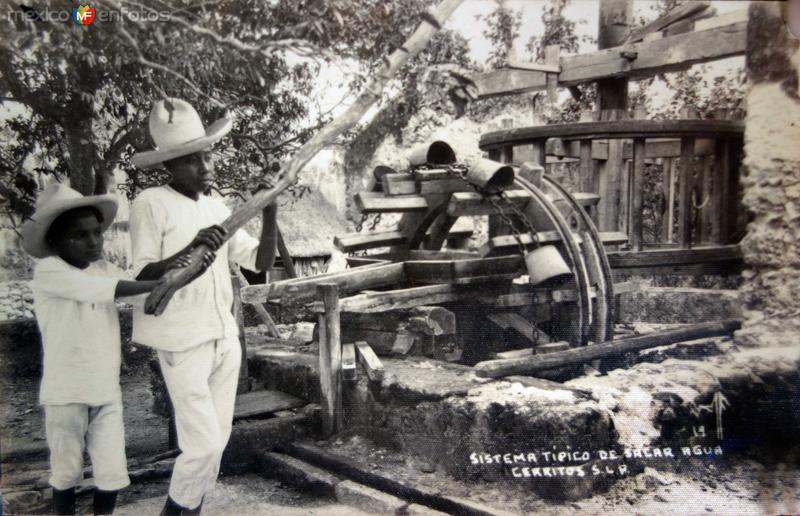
(52, 202)
(177, 130)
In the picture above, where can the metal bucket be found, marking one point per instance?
(546, 264)
(436, 153)
(489, 175)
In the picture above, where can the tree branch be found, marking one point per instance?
(432, 20)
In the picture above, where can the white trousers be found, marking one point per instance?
(202, 385)
(74, 427)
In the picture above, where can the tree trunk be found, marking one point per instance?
(81, 153)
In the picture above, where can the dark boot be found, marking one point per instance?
(64, 501)
(104, 501)
(171, 508)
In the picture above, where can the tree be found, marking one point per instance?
(87, 90)
(502, 29)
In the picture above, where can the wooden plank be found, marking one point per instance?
(637, 193)
(574, 356)
(431, 174)
(514, 321)
(399, 184)
(446, 271)
(672, 53)
(654, 148)
(369, 361)
(258, 307)
(360, 261)
(330, 359)
(304, 289)
(685, 187)
(375, 202)
(382, 342)
(462, 228)
(261, 403)
(473, 204)
(722, 172)
(348, 362)
(406, 298)
(646, 258)
(674, 15)
(450, 185)
(368, 240)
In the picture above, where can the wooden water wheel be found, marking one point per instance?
(434, 198)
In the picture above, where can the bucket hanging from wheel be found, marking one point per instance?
(546, 266)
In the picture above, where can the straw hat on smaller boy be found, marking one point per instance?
(52, 202)
(177, 130)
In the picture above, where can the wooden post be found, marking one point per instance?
(704, 213)
(668, 191)
(286, 258)
(732, 195)
(551, 56)
(685, 186)
(330, 359)
(637, 186)
(244, 377)
(612, 99)
(720, 206)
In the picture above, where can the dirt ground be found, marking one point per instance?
(22, 418)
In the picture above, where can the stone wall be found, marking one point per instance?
(771, 180)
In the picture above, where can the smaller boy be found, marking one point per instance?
(74, 291)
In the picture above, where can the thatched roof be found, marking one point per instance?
(309, 224)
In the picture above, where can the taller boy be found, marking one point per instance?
(196, 337)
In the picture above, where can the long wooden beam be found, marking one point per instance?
(647, 58)
(349, 281)
(535, 363)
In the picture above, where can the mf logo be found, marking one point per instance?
(83, 14)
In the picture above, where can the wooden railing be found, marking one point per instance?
(699, 158)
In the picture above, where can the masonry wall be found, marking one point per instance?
(771, 181)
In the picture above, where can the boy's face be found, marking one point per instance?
(81, 243)
(192, 174)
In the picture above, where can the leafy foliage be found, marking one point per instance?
(502, 29)
(87, 91)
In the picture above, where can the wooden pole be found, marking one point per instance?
(612, 99)
(685, 187)
(432, 21)
(286, 257)
(330, 359)
(244, 377)
(574, 356)
(637, 193)
(260, 310)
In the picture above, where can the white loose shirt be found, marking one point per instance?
(163, 222)
(77, 317)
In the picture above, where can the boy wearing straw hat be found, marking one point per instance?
(74, 291)
(196, 337)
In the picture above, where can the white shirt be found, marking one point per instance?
(162, 223)
(77, 317)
